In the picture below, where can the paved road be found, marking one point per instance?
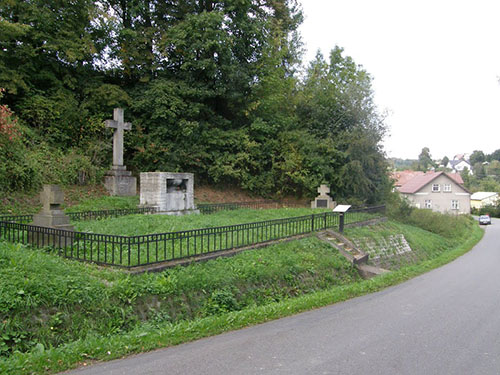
(444, 322)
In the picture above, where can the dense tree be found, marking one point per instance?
(477, 156)
(336, 103)
(493, 169)
(495, 155)
(425, 160)
(211, 87)
(479, 170)
(445, 161)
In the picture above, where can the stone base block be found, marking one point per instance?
(52, 219)
(120, 182)
(178, 213)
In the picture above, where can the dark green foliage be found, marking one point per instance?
(492, 210)
(211, 87)
(425, 161)
(448, 226)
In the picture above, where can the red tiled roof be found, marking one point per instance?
(403, 177)
(456, 177)
(418, 182)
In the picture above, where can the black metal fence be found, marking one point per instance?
(215, 207)
(133, 251)
(85, 215)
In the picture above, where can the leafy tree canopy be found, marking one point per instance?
(211, 87)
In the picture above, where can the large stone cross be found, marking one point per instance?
(323, 190)
(119, 126)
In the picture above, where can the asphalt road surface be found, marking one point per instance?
(444, 322)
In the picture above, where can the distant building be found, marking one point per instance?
(438, 191)
(483, 198)
(459, 163)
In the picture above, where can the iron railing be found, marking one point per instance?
(84, 215)
(215, 207)
(133, 251)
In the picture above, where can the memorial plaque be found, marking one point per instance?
(323, 200)
(321, 203)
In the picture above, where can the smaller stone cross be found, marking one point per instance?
(52, 197)
(323, 190)
(118, 124)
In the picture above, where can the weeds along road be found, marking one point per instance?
(444, 322)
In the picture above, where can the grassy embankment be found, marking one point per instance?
(83, 313)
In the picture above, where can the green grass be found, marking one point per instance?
(84, 313)
(104, 203)
(424, 244)
(79, 300)
(134, 225)
(167, 247)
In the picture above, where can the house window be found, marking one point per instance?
(428, 203)
(447, 187)
(455, 205)
(435, 187)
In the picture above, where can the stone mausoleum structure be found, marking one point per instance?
(323, 200)
(171, 193)
(51, 216)
(118, 181)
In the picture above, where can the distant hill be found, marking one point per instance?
(401, 164)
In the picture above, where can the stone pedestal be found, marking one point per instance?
(118, 181)
(51, 216)
(323, 200)
(170, 193)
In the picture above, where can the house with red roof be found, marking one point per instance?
(439, 191)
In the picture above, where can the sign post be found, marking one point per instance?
(341, 209)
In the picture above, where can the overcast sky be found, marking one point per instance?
(435, 67)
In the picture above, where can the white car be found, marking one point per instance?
(484, 220)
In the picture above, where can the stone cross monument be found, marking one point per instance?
(323, 200)
(118, 124)
(119, 181)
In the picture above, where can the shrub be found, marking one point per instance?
(446, 225)
(493, 211)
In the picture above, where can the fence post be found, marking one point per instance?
(312, 223)
(341, 222)
(129, 250)
(325, 220)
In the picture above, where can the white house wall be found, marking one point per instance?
(441, 201)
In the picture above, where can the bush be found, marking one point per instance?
(25, 165)
(493, 211)
(16, 173)
(446, 225)
(398, 208)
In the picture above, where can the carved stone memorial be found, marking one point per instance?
(171, 193)
(323, 200)
(118, 181)
(51, 216)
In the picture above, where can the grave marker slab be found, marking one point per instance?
(323, 200)
(51, 216)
